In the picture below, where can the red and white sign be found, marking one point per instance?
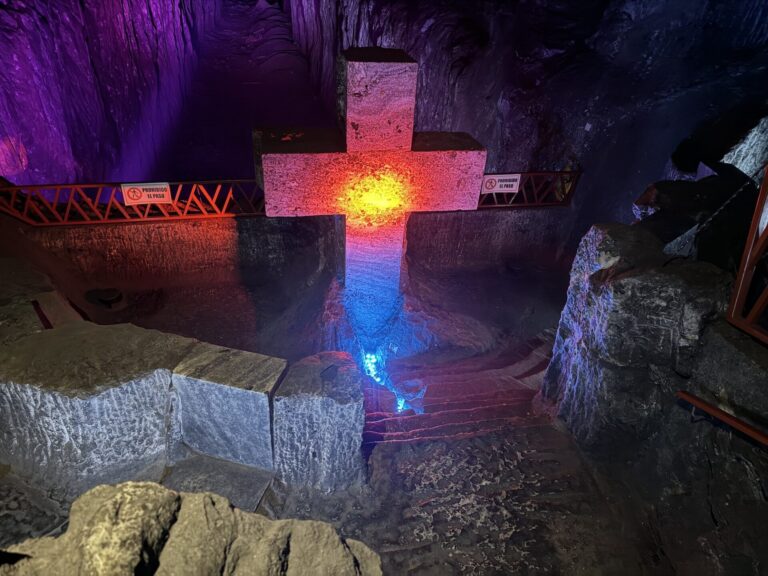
(509, 183)
(146, 193)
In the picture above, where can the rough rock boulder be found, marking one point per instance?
(633, 316)
(143, 528)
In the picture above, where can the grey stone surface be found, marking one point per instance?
(750, 154)
(70, 444)
(145, 528)
(84, 359)
(221, 404)
(84, 404)
(21, 286)
(318, 423)
(241, 485)
(77, 408)
(635, 330)
(628, 311)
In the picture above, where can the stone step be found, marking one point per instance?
(468, 415)
(55, 309)
(477, 400)
(467, 402)
(437, 396)
(510, 356)
(483, 384)
(451, 431)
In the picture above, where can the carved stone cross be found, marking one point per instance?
(375, 173)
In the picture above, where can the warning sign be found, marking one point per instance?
(146, 193)
(509, 183)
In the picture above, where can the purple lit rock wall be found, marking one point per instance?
(91, 88)
(611, 85)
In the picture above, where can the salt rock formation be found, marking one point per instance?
(84, 404)
(99, 106)
(631, 317)
(318, 423)
(143, 528)
(22, 289)
(639, 326)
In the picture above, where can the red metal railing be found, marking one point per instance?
(52, 205)
(749, 299)
(537, 189)
(724, 417)
(72, 204)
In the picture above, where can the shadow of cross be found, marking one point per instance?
(375, 172)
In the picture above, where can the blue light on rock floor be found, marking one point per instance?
(373, 366)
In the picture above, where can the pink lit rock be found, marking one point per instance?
(308, 173)
(380, 90)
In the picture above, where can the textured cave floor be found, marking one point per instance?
(520, 501)
(250, 75)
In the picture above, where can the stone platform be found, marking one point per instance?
(84, 404)
(319, 419)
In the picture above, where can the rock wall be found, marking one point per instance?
(450, 241)
(90, 88)
(175, 253)
(632, 320)
(84, 404)
(639, 326)
(612, 86)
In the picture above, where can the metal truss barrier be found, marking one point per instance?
(73, 204)
(536, 189)
(750, 290)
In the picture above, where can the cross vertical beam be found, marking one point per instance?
(375, 173)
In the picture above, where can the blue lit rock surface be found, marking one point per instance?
(630, 315)
(84, 404)
(137, 528)
(318, 423)
(229, 421)
(639, 326)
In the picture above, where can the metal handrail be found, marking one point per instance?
(724, 417)
(102, 202)
(745, 319)
(536, 190)
(78, 204)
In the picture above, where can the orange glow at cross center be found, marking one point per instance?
(375, 199)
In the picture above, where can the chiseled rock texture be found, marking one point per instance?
(631, 316)
(84, 404)
(379, 99)
(230, 422)
(551, 85)
(318, 423)
(99, 106)
(638, 326)
(177, 276)
(143, 528)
